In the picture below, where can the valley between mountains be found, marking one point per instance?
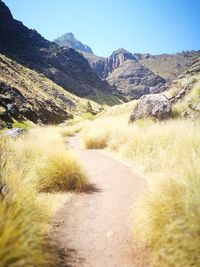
(99, 156)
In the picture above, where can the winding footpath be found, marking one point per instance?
(95, 228)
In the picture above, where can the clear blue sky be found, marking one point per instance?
(153, 26)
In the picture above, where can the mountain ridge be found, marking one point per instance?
(63, 65)
(135, 74)
(68, 39)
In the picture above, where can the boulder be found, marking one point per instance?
(13, 110)
(153, 105)
(14, 132)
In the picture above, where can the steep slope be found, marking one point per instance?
(97, 63)
(124, 71)
(134, 80)
(28, 95)
(63, 65)
(68, 39)
(169, 66)
(104, 66)
(184, 92)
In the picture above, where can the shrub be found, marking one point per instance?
(60, 171)
(23, 125)
(96, 135)
(89, 108)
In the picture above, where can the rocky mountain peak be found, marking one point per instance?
(121, 55)
(68, 39)
(118, 57)
(5, 13)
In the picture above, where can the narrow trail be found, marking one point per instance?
(95, 229)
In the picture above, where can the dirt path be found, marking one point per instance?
(95, 229)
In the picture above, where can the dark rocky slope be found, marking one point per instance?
(28, 95)
(63, 65)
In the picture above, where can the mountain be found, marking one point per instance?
(42, 82)
(63, 65)
(68, 39)
(133, 80)
(126, 74)
(136, 74)
(169, 66)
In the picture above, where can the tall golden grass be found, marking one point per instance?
(38, 161)
(168, 215)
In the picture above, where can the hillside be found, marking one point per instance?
(184, 92)
(28, 95)
(170, 66)
(63, 65)
(68, 39)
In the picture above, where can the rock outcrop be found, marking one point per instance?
(153, 105)
(126, 74)
(134, 80)
(13, 133)
(69, 40)
(118, 58)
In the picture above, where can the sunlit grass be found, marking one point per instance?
(61, 171)
(33, 163)
(167, 220)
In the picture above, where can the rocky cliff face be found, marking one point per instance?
(118, 58)
(134, 80)
(124, 71)
(68, 39)
(63, 65)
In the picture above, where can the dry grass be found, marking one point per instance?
(189, 102)
(37, 161)
(51, 166)
(22, 241)
(167, 216)
(60, 171)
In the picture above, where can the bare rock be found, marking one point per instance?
(154, 105)
(134, 80)
(13, 110)
(14, 132)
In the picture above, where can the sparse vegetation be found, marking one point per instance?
(37, 161)
(23, 125)
(189, 102)
(89, 108)
(167, 219)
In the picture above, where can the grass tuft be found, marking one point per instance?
(60, 171)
